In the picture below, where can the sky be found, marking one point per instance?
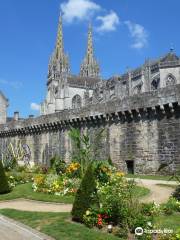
(126, 33)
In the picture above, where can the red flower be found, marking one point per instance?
(99, 220)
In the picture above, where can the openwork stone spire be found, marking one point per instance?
(89, 67)
(59, 43)
(59, 60)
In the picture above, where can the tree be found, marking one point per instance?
(4, 187)
(86, 195)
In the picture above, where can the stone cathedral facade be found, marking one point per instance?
(138, 111)
(65, 91)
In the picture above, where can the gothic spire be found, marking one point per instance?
(59, 42)
(90, 51)
(59, 59)
(89, 67)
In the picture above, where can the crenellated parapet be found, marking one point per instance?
(162, 102)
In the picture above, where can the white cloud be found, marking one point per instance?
(12, 84)
(109, 22)
(78, 10)
(35, 106)
(138, 33)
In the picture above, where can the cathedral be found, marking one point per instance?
(64, 90)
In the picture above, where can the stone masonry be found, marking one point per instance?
(140, 132)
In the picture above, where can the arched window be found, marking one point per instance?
(137, 89)
(76, 102)
(155, 84)
(170, 80)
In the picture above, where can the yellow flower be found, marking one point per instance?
(120, 174)
(39, 180)
(72, 167)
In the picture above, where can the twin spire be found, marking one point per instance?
(59, 42)
(89, 67)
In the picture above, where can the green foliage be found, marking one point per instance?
(176, 193)
(4, 187)
(90, 218)
(150, 209)
(102, 170)
(57, 225)
(84, 152)
(86, 195)
(171, 206)
(110, 161)
(58, 165)
(26, 191)
(81, 149)
(117, 198)
(39, 169)
(15, 178)
(55, 184)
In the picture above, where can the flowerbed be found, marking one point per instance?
(55, 184)
(15, 178)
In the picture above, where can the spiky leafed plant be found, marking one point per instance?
(83, 151)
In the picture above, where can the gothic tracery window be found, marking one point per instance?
(170, 80)
(137, 89)
(76, 102)
(155, 84)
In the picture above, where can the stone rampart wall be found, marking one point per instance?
(140, 132)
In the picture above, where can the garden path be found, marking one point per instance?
(159, 194)
(12, 230)
(35, 206)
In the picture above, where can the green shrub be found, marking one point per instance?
(15, 178)
(176, 193)
(171, 206)
(39, 169)
(58, 165)
(86, 195)
(102, 171)
(4, 187)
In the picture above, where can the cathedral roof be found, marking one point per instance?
(170, 57)
(77, 81)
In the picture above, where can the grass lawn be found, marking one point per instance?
(141, 191)
(25, 191)
(153, 177)
(169, 221)
(57, 225)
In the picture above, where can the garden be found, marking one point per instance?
(105, 203)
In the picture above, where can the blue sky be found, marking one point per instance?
(126, 32)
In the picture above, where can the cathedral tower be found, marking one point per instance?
(89, 67)
(58, 71)
(59, 62)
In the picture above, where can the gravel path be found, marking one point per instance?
(12, 230)
(35, 206)
(159, 194)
